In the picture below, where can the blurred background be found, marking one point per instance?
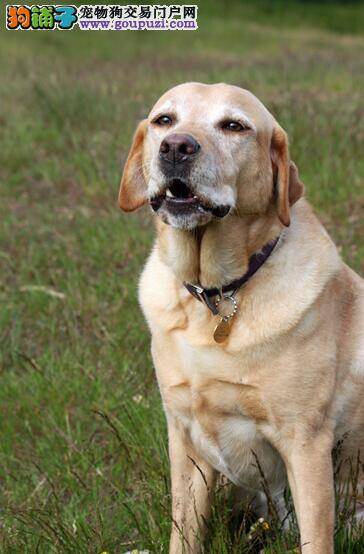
(83, 460)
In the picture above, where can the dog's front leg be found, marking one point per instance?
(310, 475)
(192, 481)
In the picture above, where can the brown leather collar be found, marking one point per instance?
(255, 262)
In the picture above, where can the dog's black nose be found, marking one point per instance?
(178, 147)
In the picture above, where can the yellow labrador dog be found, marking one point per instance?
(257, 324)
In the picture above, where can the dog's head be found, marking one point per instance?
(205, 151)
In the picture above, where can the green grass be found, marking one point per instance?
(83, 456)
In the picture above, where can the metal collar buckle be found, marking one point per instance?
(195, 290)
(200, 293)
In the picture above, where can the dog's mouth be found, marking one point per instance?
(179, 198)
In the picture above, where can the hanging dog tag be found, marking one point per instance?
(222, 330)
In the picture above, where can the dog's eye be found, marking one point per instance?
(163, 120)
(234, 126)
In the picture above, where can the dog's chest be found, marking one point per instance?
(207, 388)
(220, 411)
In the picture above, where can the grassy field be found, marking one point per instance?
(83, 461)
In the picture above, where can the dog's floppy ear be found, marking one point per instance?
(133, 188)
(280, 159)
(288, 186)
(296, 187)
